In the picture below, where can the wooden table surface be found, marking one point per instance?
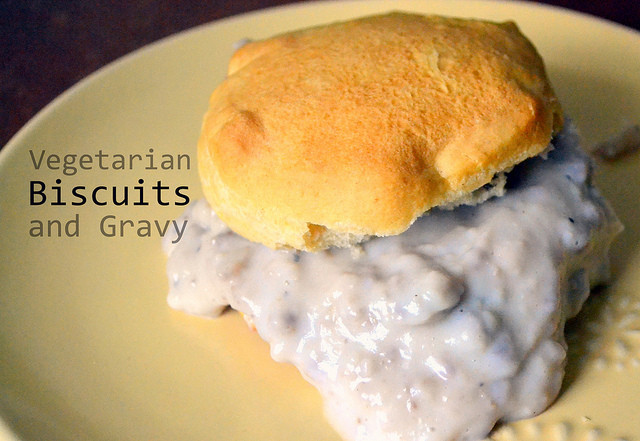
(48, 46)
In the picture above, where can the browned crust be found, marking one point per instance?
(325, 136)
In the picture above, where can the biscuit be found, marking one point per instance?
(325, 136)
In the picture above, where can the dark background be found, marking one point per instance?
(47, 46)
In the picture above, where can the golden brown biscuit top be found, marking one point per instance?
(327, 135)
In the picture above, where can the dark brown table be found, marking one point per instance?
(47, 46)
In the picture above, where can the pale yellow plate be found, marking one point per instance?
(90, 351)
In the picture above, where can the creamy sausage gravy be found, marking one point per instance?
(432, 335)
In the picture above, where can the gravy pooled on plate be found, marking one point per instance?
(435, 334)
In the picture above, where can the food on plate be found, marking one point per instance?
(623, 143)
(329, 135)
(397, 206)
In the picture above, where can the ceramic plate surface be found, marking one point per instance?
(89, 350)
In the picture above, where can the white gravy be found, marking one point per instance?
(435, 334)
